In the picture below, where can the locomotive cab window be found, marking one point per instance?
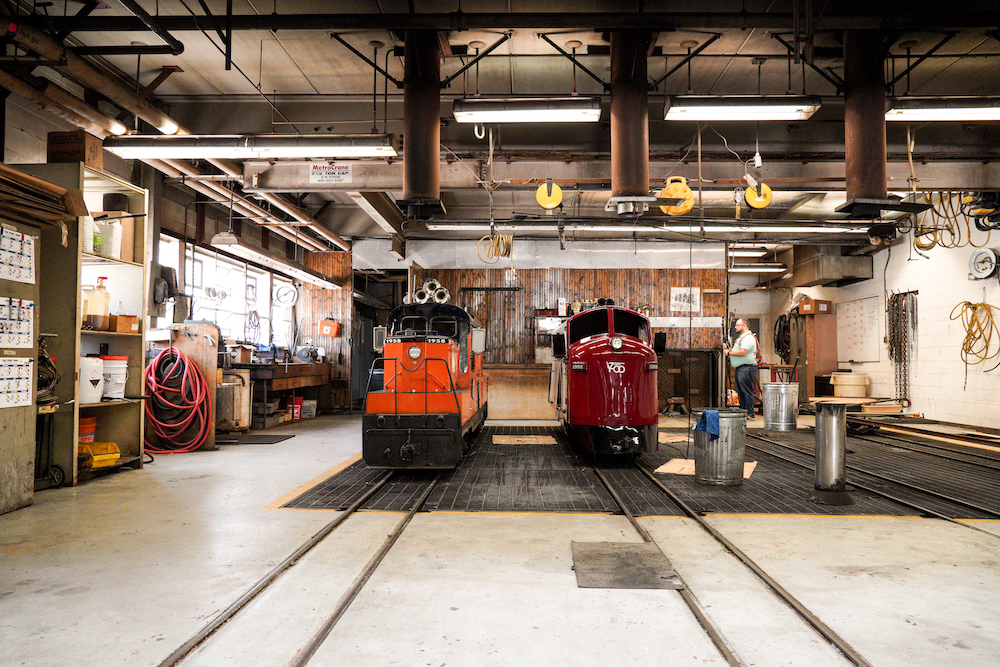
(589, 323)
(444, 326)
(413, 323)
(630, 324)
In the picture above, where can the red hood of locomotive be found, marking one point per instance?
(617, 389)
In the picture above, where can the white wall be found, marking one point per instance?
(27, 128)
(937, 373)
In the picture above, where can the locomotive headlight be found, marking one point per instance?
(616, 342)
(414, 352)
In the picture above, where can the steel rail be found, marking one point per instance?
(714, 634)
(309, 650)
(923, 447)
(878, 492)
(822, 628)
(234, 608)
(936, 494)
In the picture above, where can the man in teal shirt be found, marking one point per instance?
(743, 357)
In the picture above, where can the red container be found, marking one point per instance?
(88, 427)
(293, 405)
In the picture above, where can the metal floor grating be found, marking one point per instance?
(894, 469)
(551, 478)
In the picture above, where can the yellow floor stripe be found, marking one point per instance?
(817, 516)
(308, 485)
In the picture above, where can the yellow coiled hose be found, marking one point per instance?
(496, 246)
(980, 328)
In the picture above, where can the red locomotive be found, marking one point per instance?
(434, 393)
(603, 380)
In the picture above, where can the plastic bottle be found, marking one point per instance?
(95, 306)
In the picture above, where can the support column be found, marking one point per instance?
(422, 124)
(629, 119)
(864, 114)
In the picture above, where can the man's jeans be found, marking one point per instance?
(744, 387)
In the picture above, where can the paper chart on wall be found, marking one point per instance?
(17, 256)
(17, 322)
(16, 378)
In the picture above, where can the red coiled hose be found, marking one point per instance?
(180, 410)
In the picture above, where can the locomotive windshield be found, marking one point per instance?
(630, 324)
(444, 326)
(588, 323)
(412, 324)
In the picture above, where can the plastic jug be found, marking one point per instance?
(95, 307)
(111, 239)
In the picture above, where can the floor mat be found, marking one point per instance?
(622, 565)
(252, 439)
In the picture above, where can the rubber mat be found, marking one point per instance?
(252, 439)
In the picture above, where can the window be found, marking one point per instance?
(588, 323)
(630, 324)
(413, 323)
(445, 326)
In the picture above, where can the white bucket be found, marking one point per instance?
(91, 380)
(115, 376)
(111, 239)
(87, 235)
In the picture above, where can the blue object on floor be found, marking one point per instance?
(709, 422)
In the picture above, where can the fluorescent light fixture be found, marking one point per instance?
(762, 267)
(250, 146)
(762, 229)
(257, 257)
(921, 109)
(741, 107)
(747, 252)
(685, 229)
(528, 110)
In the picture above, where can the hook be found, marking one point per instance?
(479, 130)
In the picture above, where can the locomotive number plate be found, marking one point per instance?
(616, 367)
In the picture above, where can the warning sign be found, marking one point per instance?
(330, 173)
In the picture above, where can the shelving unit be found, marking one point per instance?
(63, 271)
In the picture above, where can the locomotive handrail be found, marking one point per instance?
(395, 394)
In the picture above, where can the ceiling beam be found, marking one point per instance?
(914, 18)
(381, 208)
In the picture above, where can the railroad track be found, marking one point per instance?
(923, 508)
(822, 628)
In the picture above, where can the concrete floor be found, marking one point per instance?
(125, 568)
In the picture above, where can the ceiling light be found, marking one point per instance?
(921, 109)
(762, 267)
(300, 273)
(250, 146)
(747, 252)
(757, 228)
(741, 107)
(225, 238)
(528, 110)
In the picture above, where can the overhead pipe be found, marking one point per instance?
(43, 91)
(46, 47)
(312, 224)
(864, 114)
(176, 47)
(224, 196)
(629, 116)
(31, 93)
(422, 116)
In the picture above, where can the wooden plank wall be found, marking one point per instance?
(509, 316)
(316, 304)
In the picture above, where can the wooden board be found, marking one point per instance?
(841, 400)
(193, 340)
(524, 440)
(686, 467)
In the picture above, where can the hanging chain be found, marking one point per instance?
(902, 326)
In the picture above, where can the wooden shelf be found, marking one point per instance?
(109, 333)
(109, 404)
(89, 258)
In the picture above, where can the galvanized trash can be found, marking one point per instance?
(720, 462)
(781, 405)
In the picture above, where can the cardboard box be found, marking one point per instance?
(309, 409)
(125, 323)
(128, 230)
(76, 146)
(241, 354)
(815, 307)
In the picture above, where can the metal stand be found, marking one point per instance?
(831, 458)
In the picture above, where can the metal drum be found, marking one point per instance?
(720, 461)
(781, 405)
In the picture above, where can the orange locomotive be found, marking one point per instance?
(434, 392)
